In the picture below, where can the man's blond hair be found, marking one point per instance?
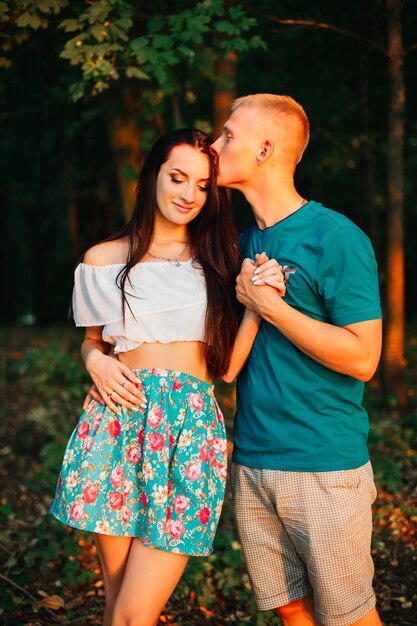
(288, 119)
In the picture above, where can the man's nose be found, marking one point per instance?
(217, 145)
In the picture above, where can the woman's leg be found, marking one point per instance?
(113, 553)
(149, 580)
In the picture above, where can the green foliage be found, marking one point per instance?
(392, 443)
(57, 384)
(222, 578)
(110, 40)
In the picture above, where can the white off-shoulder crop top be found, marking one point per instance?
(167, 302)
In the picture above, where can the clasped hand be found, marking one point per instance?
(260, 272)
(115, 382)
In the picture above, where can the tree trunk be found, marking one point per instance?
(224, 90)
(369, 207)
(393, 354)
(125, 137)
(72, 212)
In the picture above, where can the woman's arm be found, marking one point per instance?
(114, 381)
(260, 271)
(245, 338)
(110, 376)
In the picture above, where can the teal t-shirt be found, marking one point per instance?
(293, 413)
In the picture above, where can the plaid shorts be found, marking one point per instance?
(308, 533)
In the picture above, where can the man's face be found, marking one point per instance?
(237, 148)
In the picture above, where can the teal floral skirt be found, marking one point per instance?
(157, 473)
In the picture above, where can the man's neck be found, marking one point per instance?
(272, 200)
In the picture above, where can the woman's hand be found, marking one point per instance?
(268, 272)
(113, 382)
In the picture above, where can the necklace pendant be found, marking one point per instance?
(177, 264)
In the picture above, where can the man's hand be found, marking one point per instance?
(95, 394)
(263, 273)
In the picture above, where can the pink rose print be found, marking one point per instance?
(175, 528)
(77, 510)
(83, 430)
(157, 442)
(213, 461)
(209, 436)
(115, 500)
(127, 487)
(203, 454)
(97, 420)
(88, 444)
(141, 436)
(144, 500)
(223, 471)
(125, 514)
(177, 385)
(204, 515)
(158, 371)
(155, 416)
(134, 454)
(211, 456)
(168, 513)
(117, 476)
(171, 440)
(59, 485)
(196, 401)
(219, 444)
(90, 493)
(91, 406)
(114, 428)
(181, 503)
(220, 416)
(193, 470)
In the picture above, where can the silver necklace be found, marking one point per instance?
(175, 261)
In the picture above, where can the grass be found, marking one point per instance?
(51, 572)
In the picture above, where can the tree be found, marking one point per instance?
(146, 63)
(393, 353)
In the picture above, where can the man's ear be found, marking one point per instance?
(266, 150)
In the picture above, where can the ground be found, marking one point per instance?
(50, 573)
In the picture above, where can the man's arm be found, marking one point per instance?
(353, 350)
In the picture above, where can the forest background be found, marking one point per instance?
(85, 89)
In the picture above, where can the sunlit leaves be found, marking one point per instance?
(113, 39)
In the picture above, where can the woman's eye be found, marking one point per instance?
(176, 180)
(203, 188)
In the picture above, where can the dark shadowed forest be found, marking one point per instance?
(85, 88)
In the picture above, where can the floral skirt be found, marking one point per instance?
(157, 473)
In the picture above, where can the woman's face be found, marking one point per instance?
(182, 184)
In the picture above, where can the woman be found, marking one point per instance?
(146, 472)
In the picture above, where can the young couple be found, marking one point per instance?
(145, 467)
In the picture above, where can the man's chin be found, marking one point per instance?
(223, 181)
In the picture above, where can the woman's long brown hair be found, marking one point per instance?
(213, 244)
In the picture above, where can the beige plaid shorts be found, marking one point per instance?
(308, 533)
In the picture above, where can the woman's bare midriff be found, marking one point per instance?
(181, 356)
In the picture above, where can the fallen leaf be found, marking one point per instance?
(51, 602)
(74, 603)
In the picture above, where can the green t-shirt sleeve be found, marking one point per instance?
(348, 277)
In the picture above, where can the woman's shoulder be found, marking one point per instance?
(107, 253)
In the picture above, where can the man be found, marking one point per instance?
(302, 481)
